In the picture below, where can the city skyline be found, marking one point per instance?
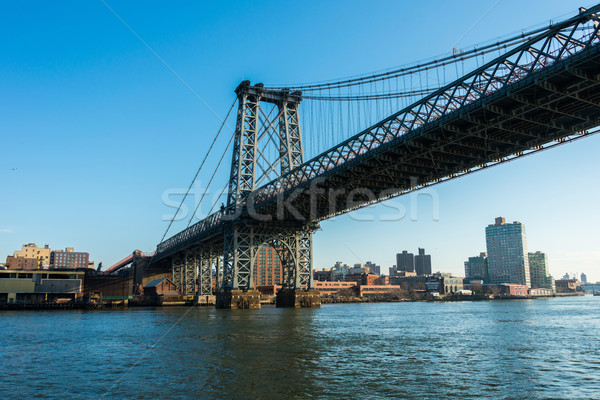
(98, 115)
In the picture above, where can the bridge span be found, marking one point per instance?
(539, 94)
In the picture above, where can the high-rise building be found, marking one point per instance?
(423, 263)
(375, 269)
(268, 267)
(476, 268)
(583, 278)
(69, 258)
(507, 253)
(405, 261)
(538, 271)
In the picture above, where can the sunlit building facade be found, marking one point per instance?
(538, 271)
(508, 261)
(268, 267)
(476, 268)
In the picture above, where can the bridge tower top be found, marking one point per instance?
(255, 130)
(268, 95)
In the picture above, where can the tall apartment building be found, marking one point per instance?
(508, 261)
(538, 271)
(69, 258)
(405, 261)
(30, 257)
(476, 268)
(374, 268)
(269, 270)
(423, 263)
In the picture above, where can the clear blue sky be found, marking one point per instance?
(98, 128)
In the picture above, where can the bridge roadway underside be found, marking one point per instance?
(552, 105)
(558, 102)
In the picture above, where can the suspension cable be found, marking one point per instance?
(375, 96)
(455, 57)
(197, 172)
(210, 181)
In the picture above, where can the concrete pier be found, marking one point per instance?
(298, 298)
(238, 299)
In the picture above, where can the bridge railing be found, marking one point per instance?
(208, 223)
(558, 42)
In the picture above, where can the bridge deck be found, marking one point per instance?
(542, 93)
(554, 105)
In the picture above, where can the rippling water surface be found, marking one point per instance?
(530, 349)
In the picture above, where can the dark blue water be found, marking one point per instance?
(531, 349)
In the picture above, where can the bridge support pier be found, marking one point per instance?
(238, 299)
(298, 298)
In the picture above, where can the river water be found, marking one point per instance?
(519, 349)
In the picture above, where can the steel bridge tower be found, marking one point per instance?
(245, 232)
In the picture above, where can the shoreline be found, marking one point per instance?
(324, 300)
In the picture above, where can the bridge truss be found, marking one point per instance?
(539, 94)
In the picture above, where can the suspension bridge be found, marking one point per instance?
(524, 94)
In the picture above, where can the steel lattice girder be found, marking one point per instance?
(210, 257)
(177, 271)
(549, 55)
(241, 246)
(190, 273)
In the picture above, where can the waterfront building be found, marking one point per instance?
(333, 287)
(444, 283)
(567, 286)
(161, 288)
(476, 268)
(541, 292)
(507, 289)
(423, 263)
(405, 261)
(25, 287)
(376, 290)
(583, 278)
(507, 253)
(30, 257)
(69, 258)
(538, 271)
(269, 270)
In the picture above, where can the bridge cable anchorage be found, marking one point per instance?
(210, 181)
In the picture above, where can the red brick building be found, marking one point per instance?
(69, 259)
(268, 270)
(22, 263)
